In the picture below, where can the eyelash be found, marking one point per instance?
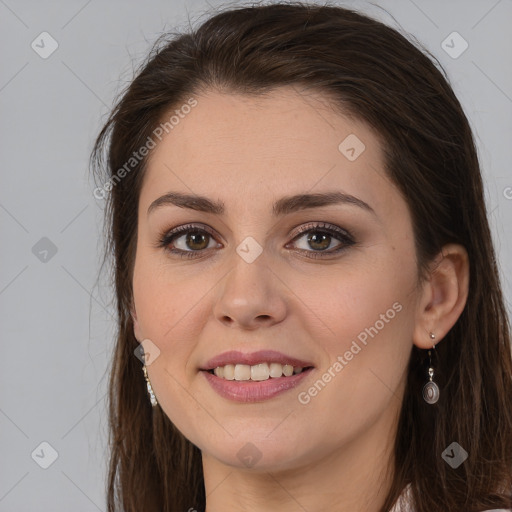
(167, 237)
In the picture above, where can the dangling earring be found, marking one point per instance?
(152, 397)
(431, 389)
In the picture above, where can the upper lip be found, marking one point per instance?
(253, 358)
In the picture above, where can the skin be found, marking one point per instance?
(333, 453)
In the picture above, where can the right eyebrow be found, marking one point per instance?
(282, 206)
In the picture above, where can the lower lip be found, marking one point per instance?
(254, 391)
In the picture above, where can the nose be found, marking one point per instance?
(251, 295)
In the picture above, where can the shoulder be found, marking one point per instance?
(404, 503)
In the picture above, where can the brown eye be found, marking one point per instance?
(319, 242)
(186, 241)
(318, 238)
(195, 240)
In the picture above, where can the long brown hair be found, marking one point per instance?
(377, 75)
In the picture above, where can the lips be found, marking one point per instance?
(262, 356)
(239, 389)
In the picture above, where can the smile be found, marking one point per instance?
(249, 390)
(257, 372)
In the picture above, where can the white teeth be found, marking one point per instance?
(229, 372)
(260, 372)
(276, 370)
(242, 372)
(287, 370)
(257, 372)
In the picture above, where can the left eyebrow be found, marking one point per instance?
(283, 206)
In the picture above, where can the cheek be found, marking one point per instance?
(169, 311)
(364, 324)
(365, 302)
(173, 308)
(161, 299)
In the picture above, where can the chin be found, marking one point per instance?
(259, 452)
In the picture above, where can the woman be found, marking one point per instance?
(301, 250)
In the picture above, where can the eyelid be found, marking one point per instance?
(167, 234)
(321, 226)
(343, 235)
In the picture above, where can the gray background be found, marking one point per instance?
(56, 320)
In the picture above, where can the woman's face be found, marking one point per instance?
(343, 305)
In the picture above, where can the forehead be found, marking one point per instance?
(249, 150)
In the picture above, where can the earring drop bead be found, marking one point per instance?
(151, 394)
(430, 390)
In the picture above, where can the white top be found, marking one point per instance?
(405, 500)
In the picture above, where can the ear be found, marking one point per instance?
(443, 296)
(136, 327)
